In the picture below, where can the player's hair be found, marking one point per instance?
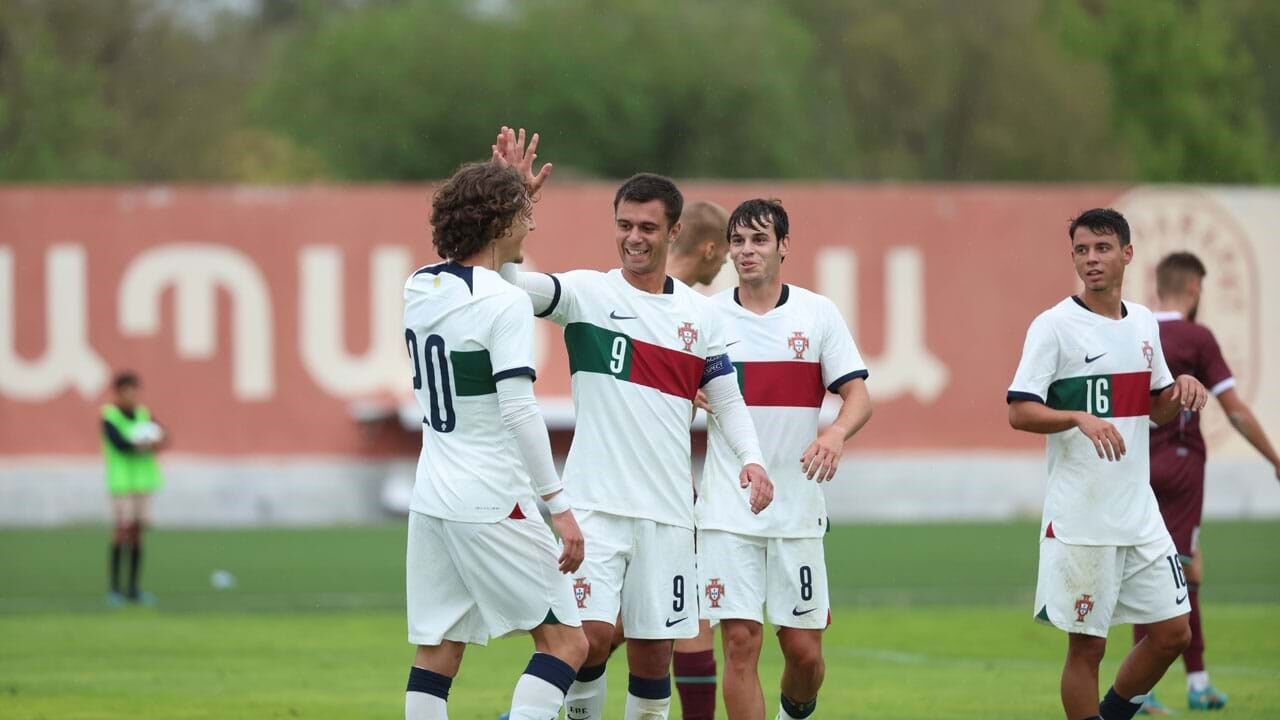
(1175, 270)
(476, 206)
(643, 187)
(701, 221)
(125, 379)
(759, 212)
(1102, 221)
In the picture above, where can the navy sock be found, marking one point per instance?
(431, 683)
(115, 567)
(590, 672)
(798, 710)
(551, 669)
(650, 688)
(1115, 707)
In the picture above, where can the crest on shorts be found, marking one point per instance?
(1148, 352)
(715, 592)
(581, 591)
(1084, 606)
(798, 344)
(688, 335)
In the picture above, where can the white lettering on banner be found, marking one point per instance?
(196, 272)
(384, 366)
(68, 360)
(905, 365)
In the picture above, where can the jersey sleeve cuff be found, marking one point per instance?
(1019, 396)
(555, 297)
(515, 372)
(856, 374)
(1222, 387)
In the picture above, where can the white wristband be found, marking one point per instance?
(558, 503)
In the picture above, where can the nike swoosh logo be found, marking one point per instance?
(735, 342)
(797, 612)
(671, 622)
(615, 316)
(1181, 600)
(1088, 359)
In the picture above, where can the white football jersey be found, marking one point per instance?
(787, 361)
(637, 360)
(1076, 359)
(465, 329)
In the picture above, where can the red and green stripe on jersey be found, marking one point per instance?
(782, 383)
(1115, 396)
(594, 349)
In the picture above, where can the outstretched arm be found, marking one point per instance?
(509, 149)
(543, 289)
(1243, 420)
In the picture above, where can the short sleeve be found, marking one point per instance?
(841, 361)
(1213, 369)
(1039, 363)
(1161, 376)
(569, 288)
(717, 356)
(511, 338)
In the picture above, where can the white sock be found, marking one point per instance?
(536, 699)
(1198, 681)
(421, 706)
(639, 708)
(585, 700)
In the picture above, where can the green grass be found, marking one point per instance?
(931, 622)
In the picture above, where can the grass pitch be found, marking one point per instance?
(931, 621)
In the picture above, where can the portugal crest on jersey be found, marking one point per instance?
(715, 591)
(688, 335)
(1148, 352)
(581, 591)
(1084, 606)
(798, 344)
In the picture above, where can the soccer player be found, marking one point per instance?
(1178, 450)
(793, 348)
(640, 347)
(481, 563)
(699, 250)
(1092, 372)
(130, 439)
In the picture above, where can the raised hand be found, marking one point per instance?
(509, 149)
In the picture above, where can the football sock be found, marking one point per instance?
(116, 549)
(792, 710)
(1198, 681)
(585, 699)
(648, 698)
(541, 689)
(1114, 707)
(135, 566)
(426, 696)
(696, 682)
(1193, 656)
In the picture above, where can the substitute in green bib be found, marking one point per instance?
(130, 439)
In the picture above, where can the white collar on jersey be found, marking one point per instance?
(1163, 315)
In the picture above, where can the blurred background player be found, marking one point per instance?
(130, 439)
(1178, 450)
(1094, 363)
(792, 348)
(641, 345)
(481, 563)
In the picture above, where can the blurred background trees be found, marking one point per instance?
(399, 90)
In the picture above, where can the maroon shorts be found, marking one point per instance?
(1178, 483)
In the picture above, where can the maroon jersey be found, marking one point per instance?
(1190, 349)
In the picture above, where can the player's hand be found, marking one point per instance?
(571, 542)
(1190, 393)
(1106, 438)
(822, 457)
(700, 401)
(509, 150)
(761, 487)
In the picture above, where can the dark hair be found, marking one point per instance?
(644, 187)
(1102, 221)
(759, 212)
(125, 379)
(1175, 270)
(701, 221)
(474, 207)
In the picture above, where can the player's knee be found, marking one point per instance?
(572, 647)
(1086, 649)
(742, 640)
(804, 657)
(1176, 639)
(599, 642)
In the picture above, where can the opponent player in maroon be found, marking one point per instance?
(1178, 450)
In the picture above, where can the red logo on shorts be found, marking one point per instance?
(715, 591)
(798, 344)
(581, 591)
(688, 335)
(1084, 606)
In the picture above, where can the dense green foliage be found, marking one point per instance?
(293, 90)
